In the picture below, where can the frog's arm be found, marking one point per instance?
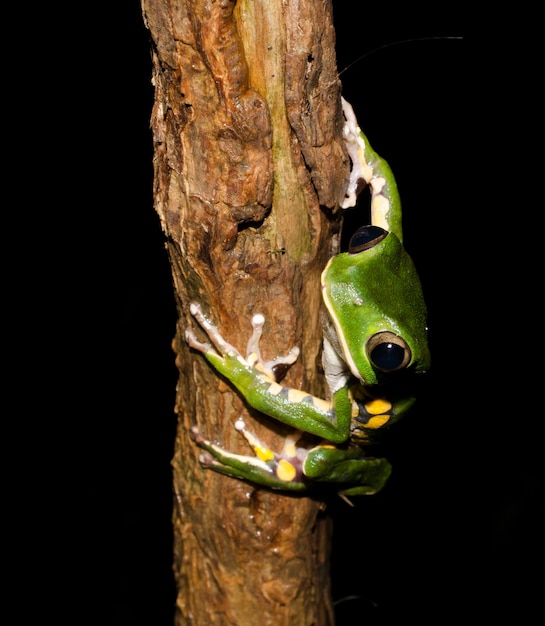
(255, 379)
(371, 169)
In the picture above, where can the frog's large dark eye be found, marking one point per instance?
(366, 237)
(388, 352)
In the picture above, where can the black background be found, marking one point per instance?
(457, 529)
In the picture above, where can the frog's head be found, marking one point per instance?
(374, 299)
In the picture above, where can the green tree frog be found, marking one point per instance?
(375, 342)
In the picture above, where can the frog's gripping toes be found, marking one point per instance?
(226, 357)
(280, 471)
(375, 342)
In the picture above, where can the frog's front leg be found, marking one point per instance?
(256, 380)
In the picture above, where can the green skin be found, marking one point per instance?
(375, 340)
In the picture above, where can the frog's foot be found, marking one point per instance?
(359, 173)
(275, 369)
(268, 468)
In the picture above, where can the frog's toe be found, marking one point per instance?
(207, 460)
(193, 342)
(197, 437)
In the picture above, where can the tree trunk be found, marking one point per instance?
(249, 167)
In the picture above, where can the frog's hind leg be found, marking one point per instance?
(268, 468)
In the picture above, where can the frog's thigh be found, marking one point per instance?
(330, 464)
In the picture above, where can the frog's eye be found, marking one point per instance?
(388, 352)
(366, 237)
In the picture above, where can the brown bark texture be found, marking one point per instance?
(249, 167)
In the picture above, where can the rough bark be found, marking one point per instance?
(249, 167)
